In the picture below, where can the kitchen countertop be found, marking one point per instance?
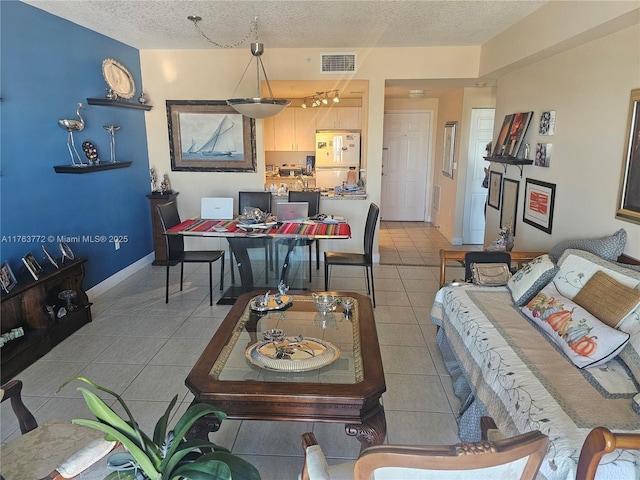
(331, 196)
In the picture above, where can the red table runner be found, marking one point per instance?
(197, 225)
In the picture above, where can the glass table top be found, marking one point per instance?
(327, 352)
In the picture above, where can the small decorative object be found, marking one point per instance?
(49, 257)
(165, 186)
(154, 179)
(66, 252)
(273, 335)
(165, 453)
(11, 335)
(293, 354)
(7, 279)
(112, 129)
(543, 154)
(32, 265)
(61, 312)
(347, 304)
(267, 302)
(504, 242)
(527, 149)
(142, 99)
(68, 295)
(118, 78)
(71, 126)
(111, 95)
(282, 288)
(325, 303)
(91, 152)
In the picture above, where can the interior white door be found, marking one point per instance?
(405, 164)
(481, 132)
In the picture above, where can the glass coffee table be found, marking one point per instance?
(308, 367)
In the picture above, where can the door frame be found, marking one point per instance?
(429, 177)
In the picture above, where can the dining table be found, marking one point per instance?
(241, 238)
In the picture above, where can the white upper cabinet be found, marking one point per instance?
(349, 118)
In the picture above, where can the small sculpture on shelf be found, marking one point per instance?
(504, 242)
(165, 186)
(154, 180)
(142, 99)
(73, 126)
(112, 129)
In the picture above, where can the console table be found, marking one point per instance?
(25, 306)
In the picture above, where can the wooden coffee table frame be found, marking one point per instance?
(357, 405)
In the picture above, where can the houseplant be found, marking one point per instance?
(168, 455)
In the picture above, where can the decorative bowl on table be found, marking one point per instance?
(324, 303)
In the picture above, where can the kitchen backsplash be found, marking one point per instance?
(286, 159)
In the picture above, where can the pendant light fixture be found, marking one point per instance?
(255, 107)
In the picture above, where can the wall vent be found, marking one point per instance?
(338, 63)
(436, 198)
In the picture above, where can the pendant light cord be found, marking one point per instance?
(253, 28)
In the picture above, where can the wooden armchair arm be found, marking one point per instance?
(600, 441)
(12, 390)
(308, 439)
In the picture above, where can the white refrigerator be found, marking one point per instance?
(337, 151)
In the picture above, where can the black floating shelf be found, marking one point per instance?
(105, 102)
(506, 161)
(91, 168)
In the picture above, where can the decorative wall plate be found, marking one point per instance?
(118, 78)
(66, 251)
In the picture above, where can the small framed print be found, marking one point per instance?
(509, 212)
(539, 198)
(500, 148)
(495, 189)
(34, 268)
(49, 257)
(543, 155)
(7, 278)
(547, 123)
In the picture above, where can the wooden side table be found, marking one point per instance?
(159, 245)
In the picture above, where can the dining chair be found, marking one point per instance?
(176, 253)
(599, 442)
(517, 457)
(261, 200)
(52, 451)
(364, 259)
(313, 199)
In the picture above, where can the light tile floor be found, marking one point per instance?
(143, 349)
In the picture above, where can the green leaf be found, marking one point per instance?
(186, 421)
(170, 462)
(160, 431)
(203, 470)
(240, 468)
(141, 457)
(119, 475)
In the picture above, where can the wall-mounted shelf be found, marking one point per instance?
(506, 161)
(90, 168)
(105, 102)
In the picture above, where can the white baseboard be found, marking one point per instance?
(118, 277)
(456, 241)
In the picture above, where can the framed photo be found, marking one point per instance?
(629, 193)
(547, 123)
(501, 144)
(495, 189)
(517, 132)
(543, 155)
(35, 269)
(538, 204)
(210, 136)
(7, 278)
(509, 213)
(448, 151)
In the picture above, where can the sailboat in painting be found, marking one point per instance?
(220, 144)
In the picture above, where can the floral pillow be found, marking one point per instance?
(530, 279)
(582, 337)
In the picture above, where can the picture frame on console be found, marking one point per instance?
(539, 198)
(629, 191)
(34, 268)
(7, 278)
(210, 136)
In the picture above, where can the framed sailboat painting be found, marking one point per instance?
(210, 136)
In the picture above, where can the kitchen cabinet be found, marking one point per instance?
(292, 130)
(348, 118)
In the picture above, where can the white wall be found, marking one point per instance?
(589, 88)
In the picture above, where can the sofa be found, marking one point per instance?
(557, 349)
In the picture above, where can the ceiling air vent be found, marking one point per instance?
(338, 62)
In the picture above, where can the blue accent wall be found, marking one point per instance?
(49, 65)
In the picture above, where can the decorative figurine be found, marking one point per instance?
(111, 95)
(282, 288)
(154, 179)
(73, 126)
(527, 149)
(504, 242)
(165, 186)
(112, 129)
(142, 99)
(91, 152)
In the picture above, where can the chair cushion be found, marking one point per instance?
(37, 453)
(199, 256)
(340, 258)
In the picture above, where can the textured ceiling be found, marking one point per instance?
(163, 24)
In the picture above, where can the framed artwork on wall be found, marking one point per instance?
(210, 136)
(509, 212)
(495, 189)
(449, 147)
(517, 132)
(539, 198)
(629, 192)
(543, 154)
(547, 123)
(501, 143)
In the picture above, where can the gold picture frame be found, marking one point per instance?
(210, 136)
(629, 193)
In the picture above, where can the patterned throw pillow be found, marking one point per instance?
(609, 248)
(582, 337)
(530, 279)
(630, 354)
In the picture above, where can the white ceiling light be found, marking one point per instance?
(416, 93)
(256, 107)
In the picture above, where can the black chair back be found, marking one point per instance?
(169, 217)
(312, 198)
(484, 257)
(370, 231)
(261, 200)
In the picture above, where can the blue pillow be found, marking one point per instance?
(609, 248)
